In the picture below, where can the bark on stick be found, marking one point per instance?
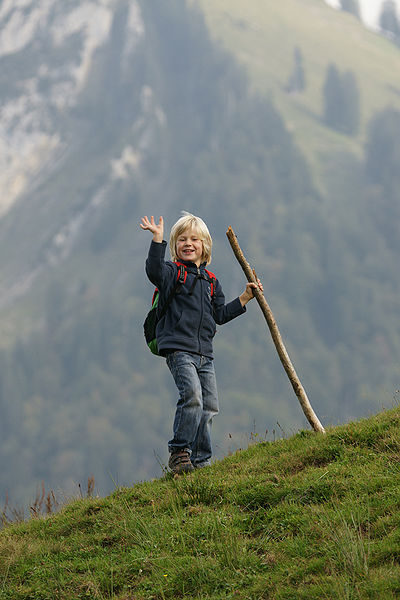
(276, 336)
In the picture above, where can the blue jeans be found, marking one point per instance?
(194, 376)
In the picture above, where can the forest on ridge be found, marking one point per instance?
(182, 128)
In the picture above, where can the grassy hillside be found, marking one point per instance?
(307, 517)
(262, 34)
(79, 392)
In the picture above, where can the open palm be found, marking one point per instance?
(157, 229)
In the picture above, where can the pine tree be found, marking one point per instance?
(333, 97)
(383, 151)
(297, 79)
(382, 159)
(351, 6)
(351, 105)
(341, 101)
(389, 21)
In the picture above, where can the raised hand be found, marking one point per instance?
(156, 229)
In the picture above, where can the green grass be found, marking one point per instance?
(308, 517)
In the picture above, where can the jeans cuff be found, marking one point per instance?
(174, 449)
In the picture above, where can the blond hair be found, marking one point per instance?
(191, 222)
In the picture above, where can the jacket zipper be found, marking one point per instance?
(202, 308)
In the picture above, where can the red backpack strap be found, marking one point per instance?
(182, 271)
(213, 280)
(181, 278)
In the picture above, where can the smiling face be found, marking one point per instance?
(189, 246)
(190, 240)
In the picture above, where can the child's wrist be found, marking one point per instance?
(157, 238)
(244, 299)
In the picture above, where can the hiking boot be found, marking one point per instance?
(179, 462)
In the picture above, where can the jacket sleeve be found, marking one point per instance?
(160, 272)
(223, 313)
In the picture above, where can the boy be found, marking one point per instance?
(185, 333)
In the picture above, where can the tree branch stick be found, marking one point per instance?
(276, 336)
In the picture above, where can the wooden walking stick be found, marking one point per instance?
(276, 336)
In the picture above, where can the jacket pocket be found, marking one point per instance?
(209, 326)
(185, 326)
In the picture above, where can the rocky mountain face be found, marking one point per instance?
(61, 63)
(46, 52)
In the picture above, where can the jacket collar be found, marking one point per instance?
(192, 266)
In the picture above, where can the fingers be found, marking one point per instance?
(258, 285)
(145, 223)
(251, 286)
(249, 289)
(150, 224)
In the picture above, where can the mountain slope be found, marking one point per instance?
(263, 36)
(162, 119)
(79, 392)
(306, 517)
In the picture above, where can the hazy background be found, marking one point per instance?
(279, 119)
(370, 10)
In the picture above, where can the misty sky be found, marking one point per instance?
(370, 9)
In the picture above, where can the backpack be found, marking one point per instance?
(154, 315)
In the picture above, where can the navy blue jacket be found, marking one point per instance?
(191, 318)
